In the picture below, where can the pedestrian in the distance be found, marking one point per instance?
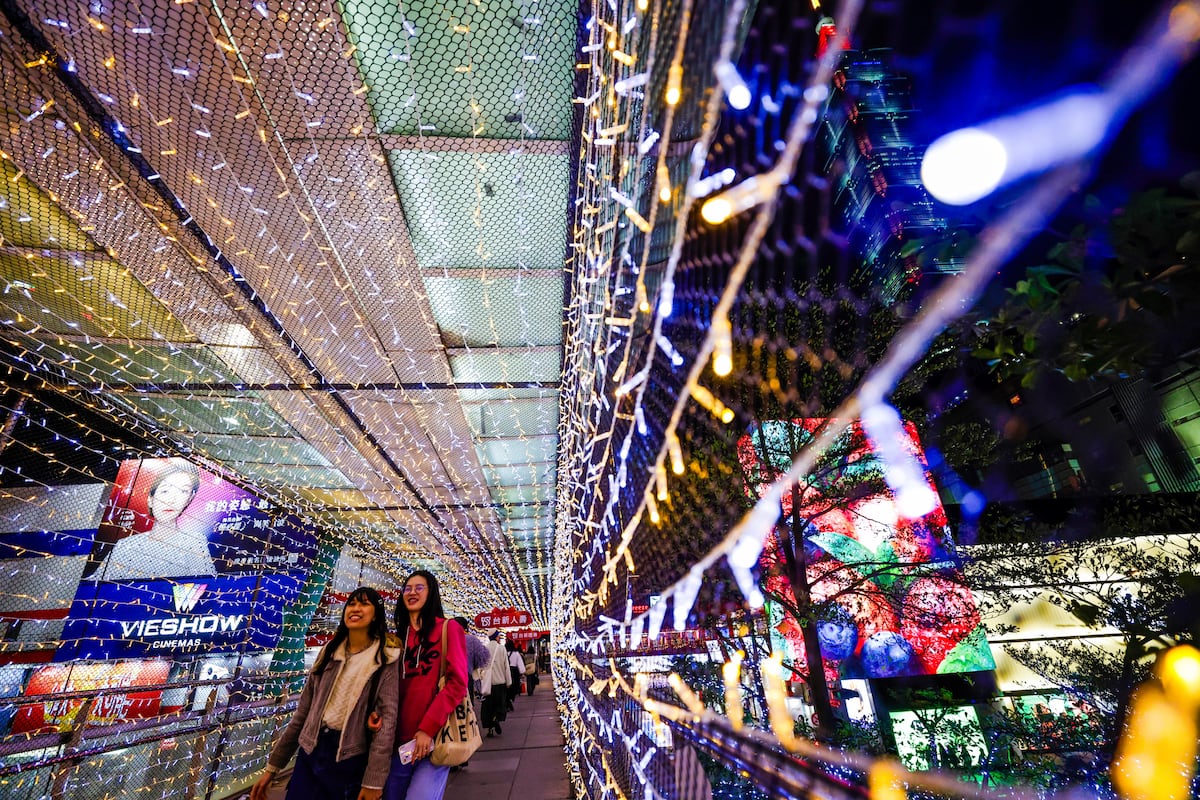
(516, 671)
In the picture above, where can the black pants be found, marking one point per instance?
(494, 707)
(320, 776)
(514, 688)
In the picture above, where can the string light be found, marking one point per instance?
(744, 196)
(782, 724)
(736, 90)
(722, 333)
(884, 781)
(676, 455)
(674, 85)
(731, 673)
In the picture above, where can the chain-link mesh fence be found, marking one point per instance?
(731, 320)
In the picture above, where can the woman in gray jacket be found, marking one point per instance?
(354, 678)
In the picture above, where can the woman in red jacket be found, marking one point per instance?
(424, 708)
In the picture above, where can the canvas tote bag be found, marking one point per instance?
(459, 737)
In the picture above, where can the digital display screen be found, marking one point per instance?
(185, 562)
(167, 518)
(942, 738)
(888, 593)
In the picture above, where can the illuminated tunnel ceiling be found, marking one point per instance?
(317, 245)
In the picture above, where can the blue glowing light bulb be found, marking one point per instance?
(964, 166)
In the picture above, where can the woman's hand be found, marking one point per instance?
(369, 794)
(374, 722)
(424, 745)
(263, 785)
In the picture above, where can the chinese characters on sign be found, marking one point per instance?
(503, 618)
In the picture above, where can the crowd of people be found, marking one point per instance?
(374, 702)
(499, 672)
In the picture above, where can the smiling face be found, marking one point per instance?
(171, 496)
(416, 593)
(358, 614)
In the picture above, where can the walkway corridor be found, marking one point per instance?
(526, 762)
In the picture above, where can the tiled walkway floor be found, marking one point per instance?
(526, 762)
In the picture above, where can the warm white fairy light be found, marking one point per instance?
(744, 543)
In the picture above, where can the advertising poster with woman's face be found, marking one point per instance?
(185, 562)
(167, 518)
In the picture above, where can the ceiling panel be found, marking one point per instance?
(480, 69)
(499, 452)
(475, 396)
(259, 448)
(212, 414)
(276, 475)
(415, 367)
(29, 218)
(521, 475)
(494, 210)
(489, 366)
(518, 418)
(523, 494)
(502, 312)
(92, 296)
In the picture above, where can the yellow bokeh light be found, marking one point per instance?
(716, 210)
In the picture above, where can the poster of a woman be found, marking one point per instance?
(148, 526)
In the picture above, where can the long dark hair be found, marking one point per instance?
(430, 612)
(377, 630)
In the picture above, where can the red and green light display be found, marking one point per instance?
(887, 591)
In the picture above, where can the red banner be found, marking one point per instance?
(503, 618)
(526, 635)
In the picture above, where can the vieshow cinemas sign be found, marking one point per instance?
(184, 563)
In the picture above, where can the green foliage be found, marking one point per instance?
(1108, 303)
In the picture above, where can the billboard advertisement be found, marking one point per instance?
(68, 678)
(167, 518)
(184, 562)
(887, 592)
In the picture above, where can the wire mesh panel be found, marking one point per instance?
(776, 426)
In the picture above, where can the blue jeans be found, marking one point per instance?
(418, 780)
(320, 776)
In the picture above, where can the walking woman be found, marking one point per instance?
(353, 681)
(516, 669)
(424, 708)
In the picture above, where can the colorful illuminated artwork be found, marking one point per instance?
(887, 593)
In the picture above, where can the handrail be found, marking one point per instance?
(183, 722)
(210, 720)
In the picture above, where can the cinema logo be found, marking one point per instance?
(176, 633)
